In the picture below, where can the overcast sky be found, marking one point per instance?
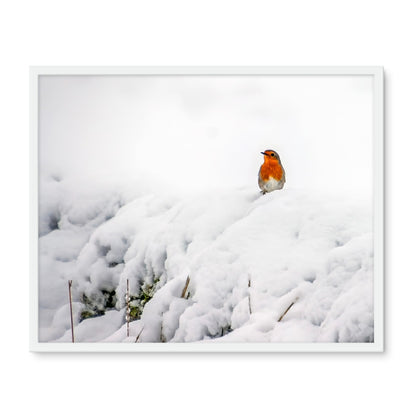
(194, 132)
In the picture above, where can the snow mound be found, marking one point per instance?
(289, 266)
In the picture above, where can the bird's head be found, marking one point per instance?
(270, 156)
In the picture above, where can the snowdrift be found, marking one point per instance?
(290, 266)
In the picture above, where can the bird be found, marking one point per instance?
(271, 174)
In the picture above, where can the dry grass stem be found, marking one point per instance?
(138, 336)
(128, 308)
(287, 310)
(249, 298)
(70, 309)
(186, 287)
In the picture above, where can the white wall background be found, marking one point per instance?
(216, 33)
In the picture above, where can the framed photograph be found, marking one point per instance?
(207, 209)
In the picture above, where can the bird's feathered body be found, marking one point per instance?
(271, 174)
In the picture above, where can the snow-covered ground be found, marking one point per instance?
(249, 258)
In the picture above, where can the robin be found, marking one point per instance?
(271, 173)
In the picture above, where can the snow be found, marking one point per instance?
(153, 179)
(289, 266)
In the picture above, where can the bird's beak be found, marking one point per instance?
(262, 153)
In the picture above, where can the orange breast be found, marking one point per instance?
(271, 169)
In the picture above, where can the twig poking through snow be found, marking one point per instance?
(70, 308)
(162, 336)
(128, 308)
(138, 336)
(286, 311)
(249, 299)
(186, 287)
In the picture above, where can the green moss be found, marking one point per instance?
(97, 303)
(138, 301)
(225, 330)
(109, 298)
(88, 313)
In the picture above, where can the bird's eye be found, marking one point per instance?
(272, 154)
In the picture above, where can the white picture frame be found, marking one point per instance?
(375, 72)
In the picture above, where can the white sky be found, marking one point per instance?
(194, 132)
